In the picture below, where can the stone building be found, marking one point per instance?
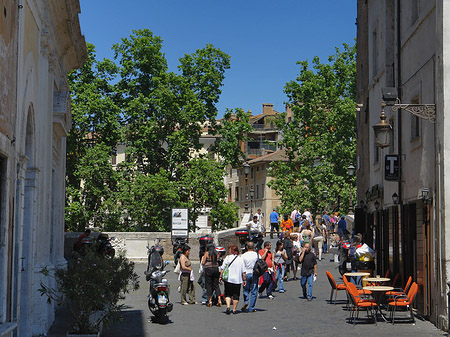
(402, 200)
(40, 42)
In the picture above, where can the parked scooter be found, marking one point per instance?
(244, 237)
(158, 297)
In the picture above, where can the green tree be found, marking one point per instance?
(165, 111)
(232, 130)
(96, 130)
(320, 139)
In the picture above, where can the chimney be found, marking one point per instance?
(267, 107)
(250, 112)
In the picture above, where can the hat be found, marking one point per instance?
(342, 216)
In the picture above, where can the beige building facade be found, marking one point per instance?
(40, 42)
(406, 45)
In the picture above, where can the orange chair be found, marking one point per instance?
(360, 303)
(400, 291)
(360, 291)
(403, 302)
(334, 287)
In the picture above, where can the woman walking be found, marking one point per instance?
(307, 233)
(319, 235)
(296, 250)
(279, 259)
(186, 277)
(233, 274)
(288, 247)
(211, 269)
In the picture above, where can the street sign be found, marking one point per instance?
(392, 167)
(180, 222)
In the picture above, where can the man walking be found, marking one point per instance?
(250, 290)
(309, 270)
(266, 255)
(274, 223)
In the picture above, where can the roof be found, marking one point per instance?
(279, 155)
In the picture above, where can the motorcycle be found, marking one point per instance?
(245, 236)
(158, 297)
(178, 244)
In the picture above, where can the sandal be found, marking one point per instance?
(219, 304)
(209, 305)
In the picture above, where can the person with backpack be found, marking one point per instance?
(307, 232)
(289, 247)
(296, 217)
(250, 290)
(267, 283)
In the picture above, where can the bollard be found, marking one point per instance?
(448, 308)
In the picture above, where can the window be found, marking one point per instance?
(236, 191)
(257, 191)
(262, 167)
(241, 195)
(251, 173)
(231, 173)
(257, 168)
(229, 194)
(262, 191)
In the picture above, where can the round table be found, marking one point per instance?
(377, 279)
(377, 291)
(357, 274)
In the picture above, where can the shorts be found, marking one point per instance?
(232, 290)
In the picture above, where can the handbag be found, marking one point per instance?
(177, 268)
(226, 271)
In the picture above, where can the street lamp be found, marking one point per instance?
(252, 194)
(246, 172)
(325, 194)
(351, 173)
(395, 198)
(382, 130)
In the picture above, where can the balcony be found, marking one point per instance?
(264, 127)
(261, 148)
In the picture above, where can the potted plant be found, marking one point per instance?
(90, 288)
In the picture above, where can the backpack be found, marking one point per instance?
(298, 217)
(260, 267)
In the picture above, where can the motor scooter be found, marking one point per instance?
(178, 244)
(245, 236)
(104, 246)
(158, 297)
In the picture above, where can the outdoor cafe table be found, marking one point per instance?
(357, 274)
(377, 280)
(377, 291)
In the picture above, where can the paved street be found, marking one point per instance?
(286, 315)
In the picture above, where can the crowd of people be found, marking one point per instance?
(299, 246)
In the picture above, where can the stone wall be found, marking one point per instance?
(135, 244)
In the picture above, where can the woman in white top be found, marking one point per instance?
(296, 252)
(236, 277)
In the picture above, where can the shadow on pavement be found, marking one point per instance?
(132, 325)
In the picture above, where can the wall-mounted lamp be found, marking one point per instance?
(377, 205)
(325, 194)
(395, 198)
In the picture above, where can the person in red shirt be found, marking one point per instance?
(86, 233)
(267, 284)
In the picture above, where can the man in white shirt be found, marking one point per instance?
(255, 225)
(260, 217)
(250, 290)
(294, 217)
(308, 215)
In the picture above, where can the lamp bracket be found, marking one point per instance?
(424, 111)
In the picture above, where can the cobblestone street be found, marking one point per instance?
(286, 315)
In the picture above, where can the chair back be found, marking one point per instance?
(345, 280)
(331, 279)
(353, 291)
(396, 279)
(388, 272)
(412, 292)
(408, 285)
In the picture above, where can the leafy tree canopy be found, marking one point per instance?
(320, 139)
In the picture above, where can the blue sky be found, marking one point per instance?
(263, 38)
